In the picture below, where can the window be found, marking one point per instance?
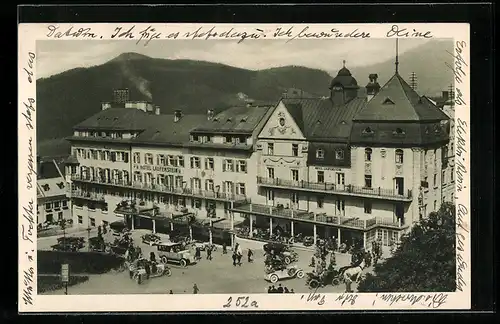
(60, 215)
(241, 140)
(270, 173)
(209, 163)
(80, 219)
(270, 195)
(443, 177)
(452, 174)
(196, 203)
(340, 178)
(137, 176)
(368, 181)
(340, 204)
(339, 154)
(195, 162)
(435, 205)
(228, 186)
(321, 176)
(148, 158)
(228, 139)
(295, 175)
(57, 204)
(92, 222)
(64, 203)
(435, 156)
(180, 160)
(320, 201)
(240, 189)
(295, 149)
(368, 207)
(368, 154)
(320, 154)
(399, 156)
(50, 218)
(125, 157)
(196, 183)
(172, 161)
(241, 166)
(195, 138)
(294, 198)
(270, 148)
(435, 180)
(228, 166)
(162, 160)
(113, 157)
(209, 185)
(48, 206)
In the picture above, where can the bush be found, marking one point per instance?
(49, 262)
(50, 283)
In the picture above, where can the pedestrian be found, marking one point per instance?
(286, 290)
(152, 256)
(148, 269)
(273, 289)
(224, 248)
(280, 289)
(250, 254)
(197, 254)
(209, 253)
(291, 291)
(195, 289)
(234, 258)
(171, 292)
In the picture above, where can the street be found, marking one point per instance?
(215, 276)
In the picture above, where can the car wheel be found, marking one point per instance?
(168, 272)
(335, 281)
(183, 263)
(164, 259)
(287, 260)
(273, 278)
(313, 284)
(300, 274)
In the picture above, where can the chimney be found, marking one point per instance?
(210, 114)
(121, 95)
(372, 87)
(105, 105)
(445, 96)
(157, 110)
(177, 115)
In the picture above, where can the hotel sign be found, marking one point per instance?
(327, 168)
(156, 168)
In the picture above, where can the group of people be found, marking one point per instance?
(279, 290)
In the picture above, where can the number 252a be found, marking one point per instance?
(243, 302)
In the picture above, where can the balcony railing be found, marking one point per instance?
(196, 193)
(320, 219)
(335, 188)
(87, 195)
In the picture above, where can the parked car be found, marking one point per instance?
(281, 251)
(170, 252)
(308, 241)
(287, 273)
(150, 239)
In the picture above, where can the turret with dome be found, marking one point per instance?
(343, 87)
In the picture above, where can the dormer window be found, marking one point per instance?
(60, 185)
(367, 130)
(243, 119)
(388, 101)
(398, 132)
(195, 138)
(229, 120)
(46, 187)
(339, 154)
(320, 154)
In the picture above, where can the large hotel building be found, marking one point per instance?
(348, 165)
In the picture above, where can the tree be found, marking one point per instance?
(424, 261)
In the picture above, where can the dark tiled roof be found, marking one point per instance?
(163, 128)
(47, 169)
(344, 78)
(397, 101)
(329, 157)
(115, 119)
(319, 120)
(234, 120)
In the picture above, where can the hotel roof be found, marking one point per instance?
(164, 128)
(51, 187)
(114, 119)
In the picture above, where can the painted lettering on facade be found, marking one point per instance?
(327, 168)
(156, 168)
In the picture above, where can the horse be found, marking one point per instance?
(352, 274)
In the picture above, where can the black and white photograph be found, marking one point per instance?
(239, 164)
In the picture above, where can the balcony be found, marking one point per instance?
(319, 219)
(331, 188)
(189, 192)
(92, 196)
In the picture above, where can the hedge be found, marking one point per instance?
(50, 283)
(49, 262)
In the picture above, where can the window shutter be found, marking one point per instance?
(125, 157)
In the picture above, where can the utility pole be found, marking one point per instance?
(413, 81)
(451, 95)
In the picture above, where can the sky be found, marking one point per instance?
(56, 56)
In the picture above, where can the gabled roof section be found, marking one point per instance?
(51, 187)
(114, 119)
(397, 101)
(241, 120)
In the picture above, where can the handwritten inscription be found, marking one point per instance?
(427, 300)
(314, 297)
(459, 64)
(28, 281)
(29, 70)
(461, 168)
(332, 33)
(29, 109)
(81, 33)
(28, 215)
(241, 302)
(397, 31)
(462, 211)
(346, 299)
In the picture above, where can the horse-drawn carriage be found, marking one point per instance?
(143, 269)
(290, 271)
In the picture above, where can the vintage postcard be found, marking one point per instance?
(241, 167)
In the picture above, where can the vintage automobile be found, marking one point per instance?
(290, 271)
(170, 252)
(118, 228)
(150, 239)
(72, 244)
(138, 272)
(203, 246)
(281, 251)
(308, 241)
(329, 276)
